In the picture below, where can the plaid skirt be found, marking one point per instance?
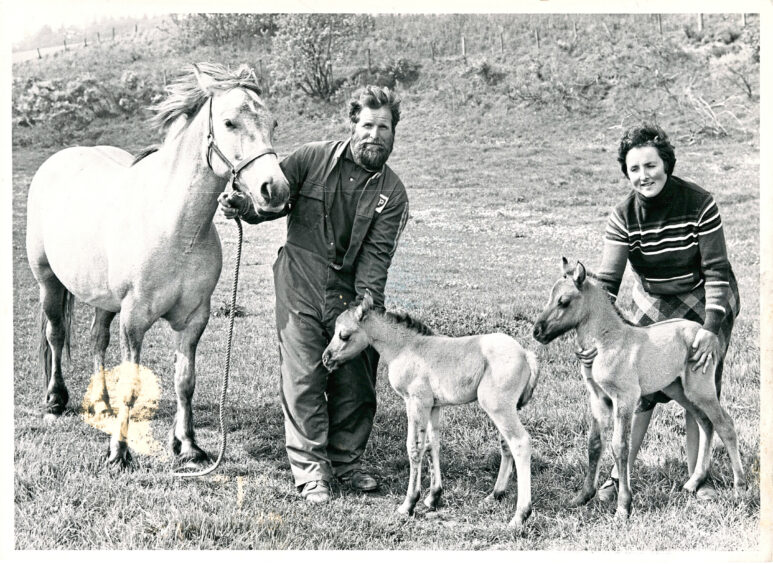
(650, 308)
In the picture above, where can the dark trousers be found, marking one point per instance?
(328, 416)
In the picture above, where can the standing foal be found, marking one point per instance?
(634, 361)
(430, 371)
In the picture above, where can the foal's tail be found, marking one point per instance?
(44, 350)
(528, 389)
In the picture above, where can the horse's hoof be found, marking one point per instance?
(119, 457)
(580, 499)
(622, 514)
(493, 498)
(690, 486)
(520, 517)
(405, 509)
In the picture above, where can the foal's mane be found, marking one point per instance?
(185, 96)
(409, 322)
(618, 311)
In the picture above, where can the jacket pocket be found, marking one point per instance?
(310, 207)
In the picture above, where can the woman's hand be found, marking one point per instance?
(705, 349)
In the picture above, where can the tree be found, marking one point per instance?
(307, 47)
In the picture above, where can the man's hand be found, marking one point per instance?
(705, 348)
(586, 356)
(234, 204)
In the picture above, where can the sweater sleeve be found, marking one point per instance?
(615, 254)
(714, 264)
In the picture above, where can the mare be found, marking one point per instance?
(634, 361)
(136, 238)
(431, 371)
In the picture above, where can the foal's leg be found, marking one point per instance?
(506, 465)
(433, 437)
(501, 407)
(623, 412)
(418, 416)
(698, 468)
(705, 397)
(52, 300)
(182, 439)
(600, 413)
(99, 403)
(134, 324)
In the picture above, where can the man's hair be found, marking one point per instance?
(647, 135)
(374, 97)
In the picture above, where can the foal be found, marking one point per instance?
(430, 371)
(633, 361)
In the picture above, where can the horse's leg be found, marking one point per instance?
(703, 394)
(506, 465)
(134, 324)
(699, 467)
(418, 415)
(53, 303)
(433, 438)
(600, 414)
(622, 413)
(99, 403)
(500, 405)
(182, 437)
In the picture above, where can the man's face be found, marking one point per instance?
(372, 138)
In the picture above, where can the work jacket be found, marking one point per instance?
(382, 211)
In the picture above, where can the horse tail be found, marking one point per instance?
(528, 389)
(44, 349)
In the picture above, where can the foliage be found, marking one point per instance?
(221, 29)
(400, 71)
(307, 49)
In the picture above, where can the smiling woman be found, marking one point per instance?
(671, 232)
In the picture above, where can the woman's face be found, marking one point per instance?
(646, 171)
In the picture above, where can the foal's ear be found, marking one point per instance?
(578, 275)
(566, 270)
(205, 81)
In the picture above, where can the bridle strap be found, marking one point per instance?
(235, 170)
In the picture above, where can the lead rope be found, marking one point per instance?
(224, 389)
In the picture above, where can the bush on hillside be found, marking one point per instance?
(221, 29)
(402, 71)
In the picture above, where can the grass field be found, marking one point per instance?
(497, 198)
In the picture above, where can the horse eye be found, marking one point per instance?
(344, 336)
(563, 302)
(229, 124)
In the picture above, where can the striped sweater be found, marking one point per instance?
(674, 242)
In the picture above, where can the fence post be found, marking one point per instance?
(135, 28)
(536, 37)
(85, 44)
(432, 50)
(700, 22)
(501, 41)
(464, 50)
(368, 51)
(660, 24)
(65, 44)
(574, 30)
(743, 20)
(113, 34)
(39, 55)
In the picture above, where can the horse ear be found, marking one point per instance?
(367, 301)
(566, 270)
(578, 276)
(205, 81)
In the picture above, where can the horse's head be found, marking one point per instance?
(567, 306)
(349, 338)
(240, 140)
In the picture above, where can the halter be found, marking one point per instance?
(235, 170)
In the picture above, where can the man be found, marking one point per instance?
(346, 212)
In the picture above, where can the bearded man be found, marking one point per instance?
(346, 212)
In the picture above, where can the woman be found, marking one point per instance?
(671, 232)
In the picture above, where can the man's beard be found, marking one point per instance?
(371, 155)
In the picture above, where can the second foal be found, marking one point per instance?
(430, 371)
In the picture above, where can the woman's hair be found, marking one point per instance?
(647, 135)
(374, 97)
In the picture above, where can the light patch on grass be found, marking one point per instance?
(140, 435)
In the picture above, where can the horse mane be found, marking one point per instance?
(618, 311)
(409, 322)
(144, 153)
(186, 97)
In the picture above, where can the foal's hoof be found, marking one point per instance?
(580, 499)
(519, 518)
(493, 498)
(101, 410)
(119, 456)
(622, 514)
(691, 486)
(405, 509)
